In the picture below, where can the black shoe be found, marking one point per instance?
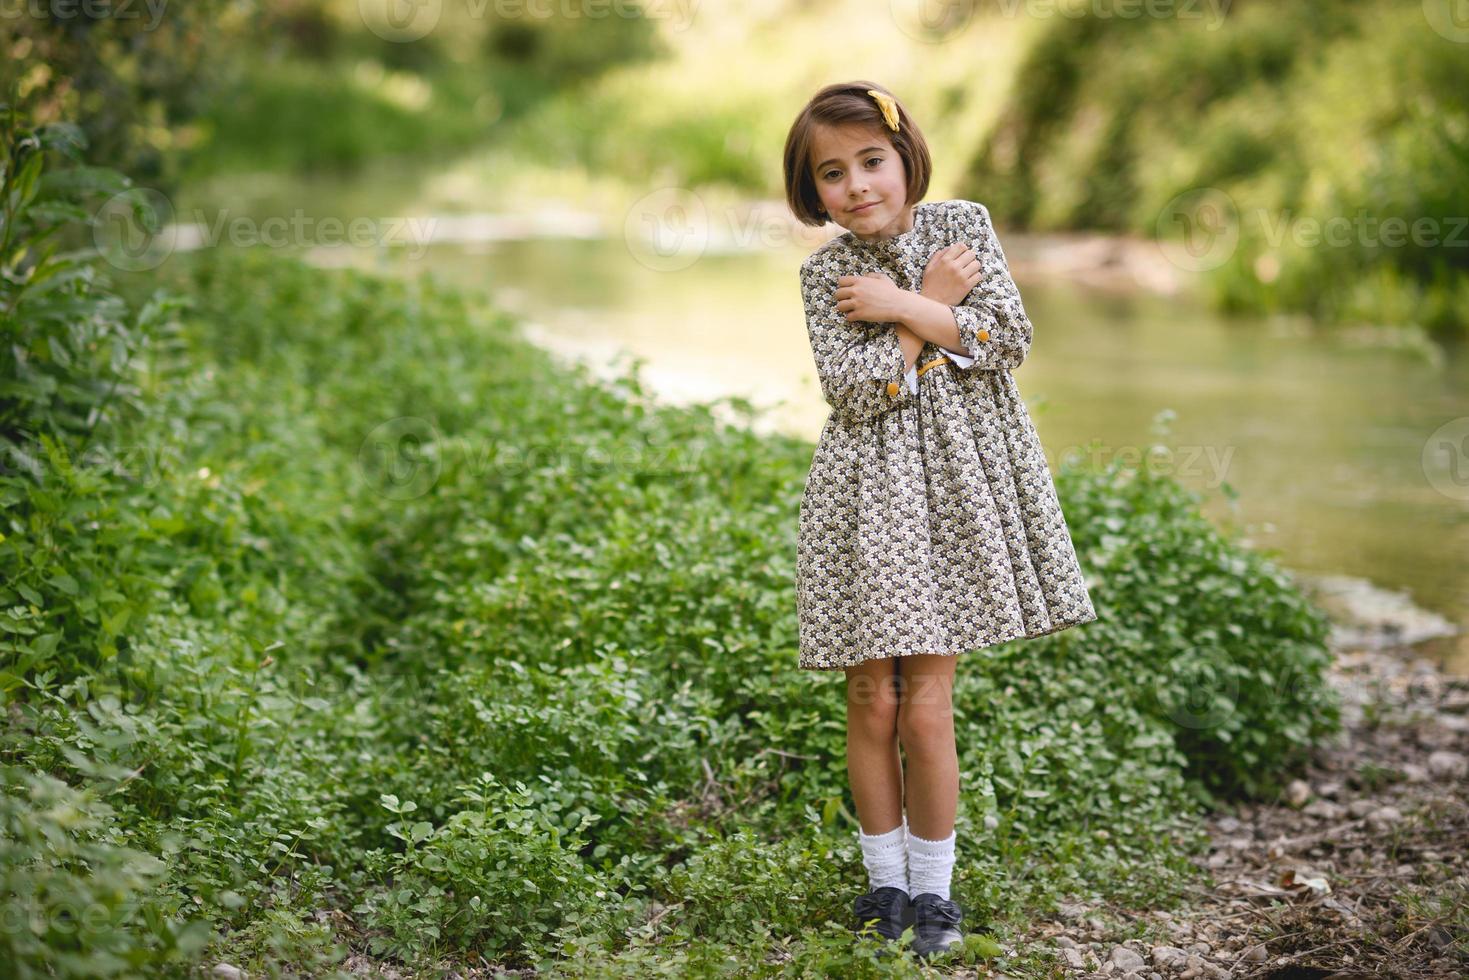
(889, 907)
(935, 924)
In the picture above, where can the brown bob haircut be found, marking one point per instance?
(848, 104)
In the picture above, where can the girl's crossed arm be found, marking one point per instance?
(991, 319)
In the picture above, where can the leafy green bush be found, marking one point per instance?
(1225, 651)
(498, 877)
(293, 115)
(129, 77)
(76, 899)
(70, 377)
(1118, 117)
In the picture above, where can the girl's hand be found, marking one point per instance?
(871, 296)
(951, 274)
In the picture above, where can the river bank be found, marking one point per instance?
(1358, 870)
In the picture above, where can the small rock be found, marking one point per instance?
(1203, 949)
(1164, 956)
(1216, 972)
(1323, 810)
(1360, 808)
(227, 971)
(1413, 773)
(1384, 819)
(1444, 764)
(1073, 958)
(1255, 954)
(1331, 789)
(1065, 942)
(1297, 793)
(1127, 959)
(1435, 737)
(1228, 825)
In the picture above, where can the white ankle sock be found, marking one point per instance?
(886, 857)
(930, 865)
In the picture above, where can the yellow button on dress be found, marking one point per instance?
(929, 522)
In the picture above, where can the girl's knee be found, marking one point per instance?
(875, 718)
(923, 724)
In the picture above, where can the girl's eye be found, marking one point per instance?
(828, 175)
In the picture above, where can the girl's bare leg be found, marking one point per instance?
(926, 731)
(873, 766)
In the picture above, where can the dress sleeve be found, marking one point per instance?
(860, 364)
(992, 322)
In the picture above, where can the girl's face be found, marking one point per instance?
(858, 168)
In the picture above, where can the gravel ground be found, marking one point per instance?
(1359, 870)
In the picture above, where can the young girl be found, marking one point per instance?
(929, 524)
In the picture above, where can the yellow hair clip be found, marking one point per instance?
(889, 107)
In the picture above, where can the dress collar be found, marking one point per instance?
(892, 242)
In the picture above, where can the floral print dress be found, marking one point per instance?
(929, 522)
